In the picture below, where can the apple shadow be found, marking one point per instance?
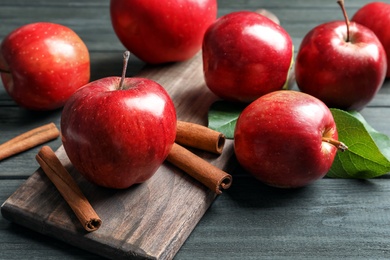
(249, 192)
(28, 117)
(386, 83)
(4, 95)
(15, 118)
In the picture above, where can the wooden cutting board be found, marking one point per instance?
(150, 220)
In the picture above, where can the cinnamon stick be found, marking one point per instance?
(198, 136)
(29, 140)
(68, 188)
(203, 171)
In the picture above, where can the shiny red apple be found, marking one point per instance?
(159, 31)
(376, 16)
(117, 134)
(43, 64)
(246, 55)
(286, 139)
(341, 63)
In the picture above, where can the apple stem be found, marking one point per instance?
(339, 145)
(4, 71)
(126, 56)
(341, 3)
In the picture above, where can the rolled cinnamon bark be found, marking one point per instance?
(203, 171)
(68, 188)
(200, 137)
(29, 140)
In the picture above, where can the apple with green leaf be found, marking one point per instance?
(286, 139)
(342, 63)
(42, 64)
(117, 131)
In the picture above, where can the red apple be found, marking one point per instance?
(159, 31)
(342, 65)
(286, 139)
(376, 16)
(117, 134)
(246, 55)
(43, 64)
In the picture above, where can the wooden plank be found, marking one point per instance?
(330, 219)
(378, 118)
(150, 220)
(17, 242)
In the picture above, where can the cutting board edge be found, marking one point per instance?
(11, 213)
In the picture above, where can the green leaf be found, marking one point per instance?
(368, 151)
(381, 140)
(223, 117)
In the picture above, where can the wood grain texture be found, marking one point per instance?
(331, 219)
(150, 220)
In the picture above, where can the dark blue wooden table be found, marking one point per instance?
(331, 219)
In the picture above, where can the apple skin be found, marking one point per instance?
(376, 16)
(246, 55)
(162, 31)
(47, 63)
(117, 138)
(344, 75)
(278, 139)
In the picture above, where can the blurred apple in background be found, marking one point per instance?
(376, 16)
(268, 14)
(117, 134)
(158, 31)
(343, 65)
(246, 55)
(286, 139)
(43, 64)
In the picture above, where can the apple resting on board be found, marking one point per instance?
(158, 31)
(286, 139)
(376, 16)
(43, 64)
(342, 65)
(117, 134)
(246, 55)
